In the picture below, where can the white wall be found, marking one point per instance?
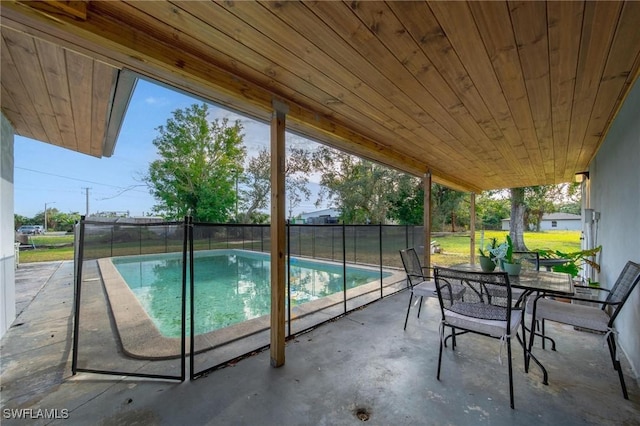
(614, 190)
(562, 225)
(7, 233)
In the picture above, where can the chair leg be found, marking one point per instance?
(545, 337)
(510, 372)
(420, 306)
(440, 355)
(527, 357)
(616, 364)
(408, 308)
(523, 343)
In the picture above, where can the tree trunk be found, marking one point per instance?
(516, 231)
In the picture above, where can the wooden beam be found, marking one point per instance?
(472, 226)
(426, 182)
(278, 241)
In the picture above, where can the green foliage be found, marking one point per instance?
(355, 186)
(491, 210)
(199, 162)
(257, 183)
(493, 244)
(406, 203)
(449, 208)
(575, 259)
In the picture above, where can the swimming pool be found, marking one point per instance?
(230, 286)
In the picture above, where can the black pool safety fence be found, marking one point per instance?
(167, 300)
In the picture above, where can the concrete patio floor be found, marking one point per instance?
(363, 362)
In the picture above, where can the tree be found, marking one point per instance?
(491, 210)
(518, 207)
(257, 183)
(406, 200)
(448, 206)
(356, 186)
(199, 161)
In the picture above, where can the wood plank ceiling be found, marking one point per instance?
(484, 94)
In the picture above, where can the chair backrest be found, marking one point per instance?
(487, 294)
(528, 259)
(412, 267)
(626, 282)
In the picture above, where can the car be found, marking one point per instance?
(28, 229)
(39, 229)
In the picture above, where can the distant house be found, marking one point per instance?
(320, 217)
(555, 222)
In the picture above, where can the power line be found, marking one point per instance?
(70, 178)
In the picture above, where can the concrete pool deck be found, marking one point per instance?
(361, 363)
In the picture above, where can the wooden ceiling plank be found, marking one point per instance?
(420, 23)
(597, 34)
(53, 61)
(619, 68)
(322, 70)
(103, 80)
(393, 35)
(73, 9)
(410, 93)
(13, 86)
(80, 75)
(530, 30)
(565, 25)
(12, 111)
(459, 25)
(25, 56)
(499, 41)
(323, 38)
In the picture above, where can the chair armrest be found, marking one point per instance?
(580, 299)
(591, 288)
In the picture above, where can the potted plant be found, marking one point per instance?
(504, 254)
(487, 258)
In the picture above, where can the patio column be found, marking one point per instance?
(426, 182)
(472, 226)
(278, 229)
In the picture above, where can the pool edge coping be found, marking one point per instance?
(141, 339)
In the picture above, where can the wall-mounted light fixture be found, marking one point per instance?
(581, 176)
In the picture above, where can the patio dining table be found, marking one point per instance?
(532, 281)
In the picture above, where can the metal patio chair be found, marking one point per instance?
(480, 312)
(594, 318)
(419, 280)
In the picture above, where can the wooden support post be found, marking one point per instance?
(426, 182)
(472, 226)
(278, 233)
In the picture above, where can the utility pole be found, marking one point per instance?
(87, 200)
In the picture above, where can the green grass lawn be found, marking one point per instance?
(455, 248)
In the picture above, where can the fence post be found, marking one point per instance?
(380, 245)
(406, 236)
(187, 238)
(289, 275)
(78, 285)
(344, 266)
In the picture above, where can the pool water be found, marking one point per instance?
(230, 286)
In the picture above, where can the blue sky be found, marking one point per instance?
(56, 176)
